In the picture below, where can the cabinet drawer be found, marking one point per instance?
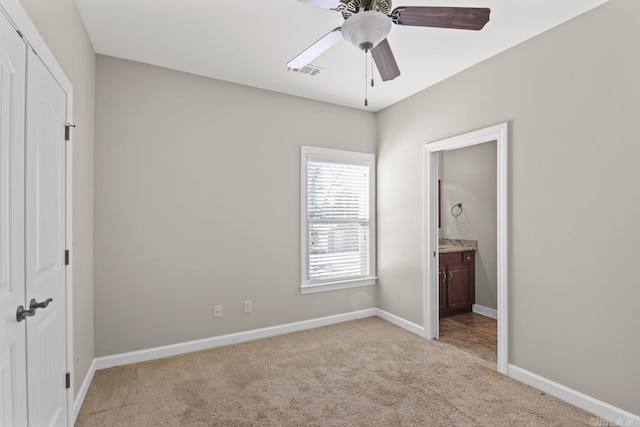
(450, 259)
(467, 257)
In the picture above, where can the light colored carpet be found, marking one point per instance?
(360, 373)
(472, 333)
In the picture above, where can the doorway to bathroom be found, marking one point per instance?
(467, 286)
(465, 273)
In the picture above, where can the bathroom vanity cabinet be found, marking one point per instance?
(457, 282)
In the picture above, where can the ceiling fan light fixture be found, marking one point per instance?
(366, 29)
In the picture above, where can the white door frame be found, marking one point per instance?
(20, 20)
(497, 133)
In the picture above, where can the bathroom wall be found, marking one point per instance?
(469, 177)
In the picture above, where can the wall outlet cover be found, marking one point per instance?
(217, 310)
(248, 306)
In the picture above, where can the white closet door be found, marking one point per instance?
(45, 246)
(13, 387)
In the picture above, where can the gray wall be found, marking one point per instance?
(59, 23)
(198, 203)
(572, 98)
(469, 177)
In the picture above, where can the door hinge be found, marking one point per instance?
(67, 131)
(67, 380)
(66, 257)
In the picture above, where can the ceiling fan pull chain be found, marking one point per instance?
(366, 69)
(372, 72)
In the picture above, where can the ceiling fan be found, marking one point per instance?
(368, 22)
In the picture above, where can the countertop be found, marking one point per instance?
(447, 246)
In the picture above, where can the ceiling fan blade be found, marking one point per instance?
(385, 61)
(461, 18)
(313, 51)
(324, 4)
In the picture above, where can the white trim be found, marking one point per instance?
(485, 311)
(69, 268)
(82, 392)
(20, 20)
(497, 133)
(501, 132)
(219, 341)
(604, 410)
(431, 319)
(334, 286)
(343, 157)
(399, 321)
(17, 15)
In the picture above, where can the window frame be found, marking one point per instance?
(328, 155)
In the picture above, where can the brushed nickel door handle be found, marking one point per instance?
(450, 275)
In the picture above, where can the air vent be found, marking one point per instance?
(309, 69)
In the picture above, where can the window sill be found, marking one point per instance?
(338, 285)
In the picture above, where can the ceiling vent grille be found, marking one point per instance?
(309, 69)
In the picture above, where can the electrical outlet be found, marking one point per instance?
(248, 306)
(448, 231)
(217, 310)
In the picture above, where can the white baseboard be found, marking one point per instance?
(485, 311)
(607, 412)
(399, 321)
(82, 392)
(207, 343)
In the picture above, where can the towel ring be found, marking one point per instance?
(459, 206)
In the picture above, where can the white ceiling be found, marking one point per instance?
(250, 41)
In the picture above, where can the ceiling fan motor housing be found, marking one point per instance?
(355, 6)
(366, 29)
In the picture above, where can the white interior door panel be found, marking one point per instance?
(13, 385)
(45, 246)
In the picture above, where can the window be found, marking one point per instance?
(338, 219)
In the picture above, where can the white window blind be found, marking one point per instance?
(338, 208)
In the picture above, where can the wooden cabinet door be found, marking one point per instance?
(442, 294)
(459, 292)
